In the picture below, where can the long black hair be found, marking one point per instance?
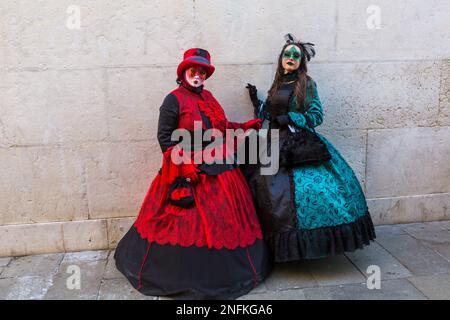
(302, 79)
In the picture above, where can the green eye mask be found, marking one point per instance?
(292, 53)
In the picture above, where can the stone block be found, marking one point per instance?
(41, 184)
(134, 98)
(118, 177)
(352, 145)
(378, 95)
(408, 161)
(117, 229)
(31, 239)
(251, 30)
(444, 94)
(53, 106)
(362, 36)
(85, 235)
(111, 33)
(409, 209)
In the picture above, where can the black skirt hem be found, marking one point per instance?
(299, 244)
(191, 273)
(190, 293)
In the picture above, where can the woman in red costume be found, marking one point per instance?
(197, 235)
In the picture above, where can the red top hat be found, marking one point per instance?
(196, 57)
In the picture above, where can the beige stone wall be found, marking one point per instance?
(79, 107)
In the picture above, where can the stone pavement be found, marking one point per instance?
(414, 260)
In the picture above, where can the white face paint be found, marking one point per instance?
(195, 78)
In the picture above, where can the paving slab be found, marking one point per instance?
(111, 271)
(435, 287)
(120, 289)
(42, 265)
(414, 255)
(24, 288)
(398, 289)
(5, 261)
(414, 260)
(374, 254)
(390, 229)
(296, 294)
(91, 273)
(325, 293)
(334, 271)
(443, 250)
(445, 224)
(429, 232)
(86, 256)
(260, 288)
(293, 275)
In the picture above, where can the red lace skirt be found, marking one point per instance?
(223, 215)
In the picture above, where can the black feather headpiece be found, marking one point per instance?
(308, 47)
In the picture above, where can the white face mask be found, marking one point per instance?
(195, 81)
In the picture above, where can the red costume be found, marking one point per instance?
(214, 248)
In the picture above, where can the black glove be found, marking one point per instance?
(252, 91)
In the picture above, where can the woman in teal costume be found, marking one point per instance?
(312, 210)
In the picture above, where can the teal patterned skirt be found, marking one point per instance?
(327, 194)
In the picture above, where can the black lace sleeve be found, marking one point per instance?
(168, 121)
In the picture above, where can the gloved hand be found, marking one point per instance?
(252, 91)
(252, 124)
(190, 171)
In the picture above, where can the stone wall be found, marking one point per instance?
(79, 106)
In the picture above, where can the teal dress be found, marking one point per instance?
(312, 210)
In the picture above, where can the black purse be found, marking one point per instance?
(302, 147)
(180, 193)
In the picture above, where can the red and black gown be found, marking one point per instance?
(212, 250)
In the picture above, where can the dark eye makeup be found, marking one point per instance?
(288, 54)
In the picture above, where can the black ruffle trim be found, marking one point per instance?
(298, 244)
